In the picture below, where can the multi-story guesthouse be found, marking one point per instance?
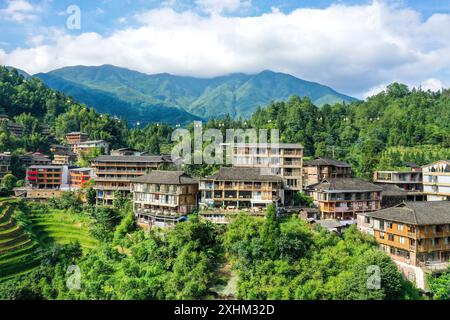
(163, 198)
(76, 137)
(86, 146)
(64, 158)
(34, 159)
(314, 171)
(114, 173)
(415, 234)
(436, 180)
(5, 164)
(47, 177)
(80, 177)
(13, 127)
(344, 198)
(283, 160)
(238, 189)
(410, 181)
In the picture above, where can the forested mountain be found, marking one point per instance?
(176, 99)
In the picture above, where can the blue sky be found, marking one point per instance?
(355, 46)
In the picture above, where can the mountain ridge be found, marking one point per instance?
(164, 97)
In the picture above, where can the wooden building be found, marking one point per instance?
(13, 127)
(415, 234)
(79, 177)
(114, 173)
(76, 137)
(282, 159)
(163, 198)
(64, 158)
(321, 168)
(232, 190)
(410, 181)
(5, 165)
(86, 146)
(47, 177)
(34, 159)
(344, 198)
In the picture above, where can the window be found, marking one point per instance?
(399, 227)
(366, 220)
(389, 225)
(402, 240)
(391, 237)
(381, 235)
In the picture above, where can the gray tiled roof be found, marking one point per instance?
(392, 190)
(148, 159)
(165, 177)
(416, 213)
(344, 184)
(324, 161)
(243, 174)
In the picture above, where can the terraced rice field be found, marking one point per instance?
(17, 250)
(63, 228)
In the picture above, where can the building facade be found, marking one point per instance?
(409, 181)
(344, 198)
(415, 234)
(283, 160)
(321, 168)
(47, 177)
(235, 189)
(5, 165)
(76, 137)
(114, 173)
(79, 177)
(64, 158)
(86, 146)
(34, 159)
(13, 127)
(163, 198)
(436, 181)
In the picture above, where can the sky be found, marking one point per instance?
(354, 46)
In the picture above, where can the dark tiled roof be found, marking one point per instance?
(416, 213)
(64, 152)
(329, 223)
(132, 159)
(166, 177)
(243, 174)
(392, 190)
(324, 161)
(344, 184)
(411, 164)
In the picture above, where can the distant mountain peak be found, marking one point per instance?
(170, 98)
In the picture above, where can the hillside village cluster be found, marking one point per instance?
(407, 212)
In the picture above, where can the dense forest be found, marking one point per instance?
(273, 259)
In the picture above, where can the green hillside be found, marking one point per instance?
(177, 99)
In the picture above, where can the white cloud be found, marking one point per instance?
(19, 11)
(219, 6)
(432, 84)
(354, 49)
